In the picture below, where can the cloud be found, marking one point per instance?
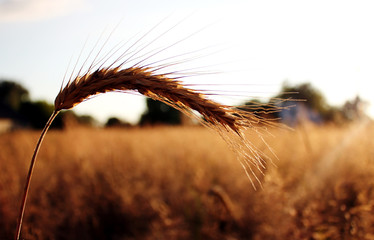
(34, 10)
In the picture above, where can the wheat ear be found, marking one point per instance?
(157, 86)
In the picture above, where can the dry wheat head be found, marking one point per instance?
(157, 86)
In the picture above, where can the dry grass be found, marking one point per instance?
(184, 183)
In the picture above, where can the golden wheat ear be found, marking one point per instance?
(146, 82)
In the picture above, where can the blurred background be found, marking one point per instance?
(121, 166)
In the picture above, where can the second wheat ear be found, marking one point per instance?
(162, 87)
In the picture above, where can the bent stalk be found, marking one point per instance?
(29, 175)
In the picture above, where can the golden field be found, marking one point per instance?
(186, 183)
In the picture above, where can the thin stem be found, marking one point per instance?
(31, 168)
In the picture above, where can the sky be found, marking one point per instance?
(252, 47)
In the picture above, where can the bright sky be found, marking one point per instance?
(261, 43)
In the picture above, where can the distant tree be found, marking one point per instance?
(308, 96)
(87, 120)
(71, 120)
(113, 121)
(262, 109)
(311, 96)
(160, 113)
(37, 113)
(335, 115)
(12, 94)
(354, 109)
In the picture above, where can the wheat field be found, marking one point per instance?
(185, 183)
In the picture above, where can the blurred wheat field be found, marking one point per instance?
(185, 183)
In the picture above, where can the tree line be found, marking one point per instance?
(300, 102)
(288, 104)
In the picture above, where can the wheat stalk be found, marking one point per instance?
(149, 82)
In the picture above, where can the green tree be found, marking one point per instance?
(160, 113)
(116, 122)
(12, 94)
(308, 95)
(113, 122)
(305, 92)
(87, 120)
(37, 113)
(262, 109)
